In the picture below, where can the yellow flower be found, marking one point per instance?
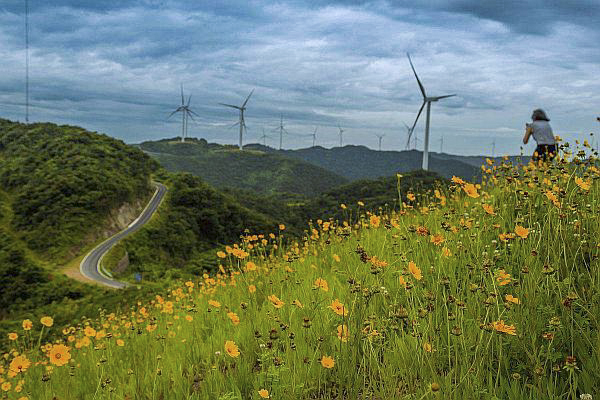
(277, 303)
(471, 190)
(297, 303)
(511, 299)
(361, 204)
(336, 258)
(250, 266)
(19, 364)
(214, 303)
(231, 349)
(582, 184)
(189, 318)
(521, 231)
(428, 347)
(13, 336)
(410, 196)
(338, 308)
(456, 179)
(234, 318)
(263, 393)
(120, 342)
(59, 354)
(322, 284)
(89, 331)
(488, 209)
(437, 239)
(414, 270)
(446, 252)
(252, 288)
(27, 324)
(503, 278)
(221, 254)
(327, 362)
(500, 326)
(151, 328)
(6, 386)
(374, 221)
(342, 333)
(47, 321)
(281, 227)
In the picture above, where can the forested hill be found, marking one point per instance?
(61, 182)
(360, 162)
(227, 167)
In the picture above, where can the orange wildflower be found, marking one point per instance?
(252, 288)
(263, 393)
(521, 231)
(488, 209)
(511, 299)
(59, 354)
(582, 184)
(231, 349)
(47, 321)
(234, 318)
(500, 326)
(322, 284)
(342, 333)
(277, 303)
(19, 364)
(414, 270)
(327, 362)
(471, 190)
(214, 303)
(13, 336)
(27, 324)
(374, 221)
(437, 239)
(338, 308)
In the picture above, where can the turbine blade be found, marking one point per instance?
(247, 98)
(189, 114)
(193, 112)
(237, 123)
(444, 97)
(229, 105)
(174, 112)
(416, 76)
(189, 99)
(415, 124)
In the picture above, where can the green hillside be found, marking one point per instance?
(226, 166)
(63, 181)
(360, 162)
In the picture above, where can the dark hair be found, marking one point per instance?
(539, 115)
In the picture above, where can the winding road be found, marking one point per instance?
(90, 266)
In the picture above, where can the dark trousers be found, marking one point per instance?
(545, 152)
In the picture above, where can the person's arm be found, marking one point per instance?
(528, 132)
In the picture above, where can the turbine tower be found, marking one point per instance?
(186, 112)
(426, 100)
(281, 130)
(264, 137)
(314, 136)
(441, 145)
(241, 122)
(341, 135)
(26, 61)
(493, 148)
(380, 137)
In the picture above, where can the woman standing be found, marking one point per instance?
(541, 131)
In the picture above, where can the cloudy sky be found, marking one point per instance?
(116, 67)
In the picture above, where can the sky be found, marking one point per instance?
(116, 67)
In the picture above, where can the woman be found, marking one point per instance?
(542, 133)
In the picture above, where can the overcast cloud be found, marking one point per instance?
(116, 67)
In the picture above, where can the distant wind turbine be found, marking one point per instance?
(493, 148)
(241, 122)
(409, 131)
(426, 100)
(264, 137)
(380, 137)
(186, 112)
(441, 144)
(314, 136)
(281, 130)
(341, 135)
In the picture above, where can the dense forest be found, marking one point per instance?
(227, 167)
(63, 180)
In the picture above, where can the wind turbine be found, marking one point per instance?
(341, 135)
(426, 100)
(241, 122)
(380, 137)
(409, 132)
(314, 136)
(493, 148)
(281, 129)
(441, 145)
(264, 137)
(186, 112)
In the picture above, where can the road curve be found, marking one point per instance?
(90, 266)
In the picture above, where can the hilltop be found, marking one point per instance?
(360, 162)
(226, 166)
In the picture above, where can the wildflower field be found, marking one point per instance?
(476, 291)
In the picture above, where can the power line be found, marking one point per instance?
(27, 61)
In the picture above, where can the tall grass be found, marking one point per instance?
(481, 292)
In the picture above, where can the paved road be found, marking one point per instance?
(90, 266)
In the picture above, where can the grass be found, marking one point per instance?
(480, 292)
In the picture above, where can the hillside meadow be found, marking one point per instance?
(483, 291)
